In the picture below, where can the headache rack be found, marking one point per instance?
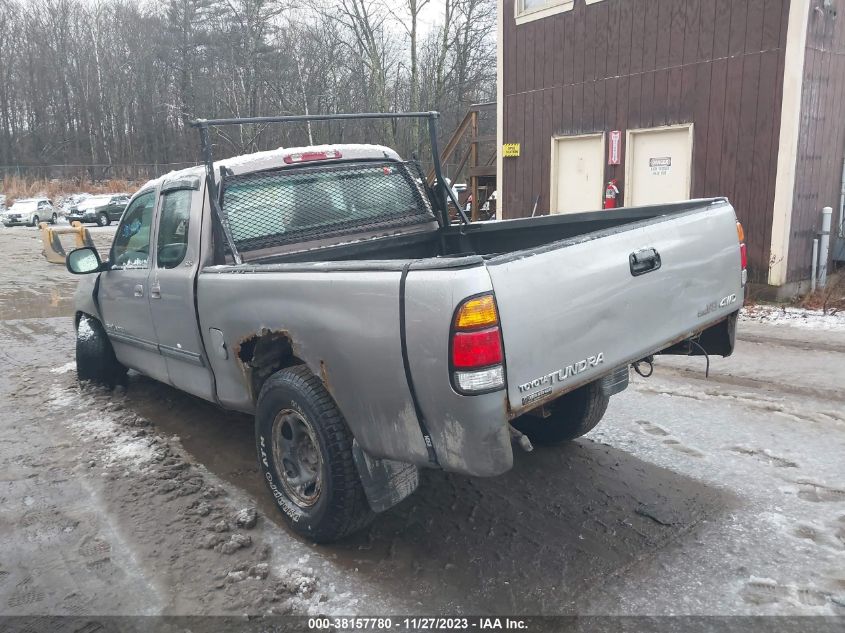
(255, 228)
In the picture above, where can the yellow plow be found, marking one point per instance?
(54, 251)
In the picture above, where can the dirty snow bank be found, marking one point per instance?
(795, 317)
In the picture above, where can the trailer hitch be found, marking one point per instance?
(648, 360)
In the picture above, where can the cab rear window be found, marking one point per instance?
(284, 206)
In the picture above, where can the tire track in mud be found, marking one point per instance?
(763, 386)
(751, 400)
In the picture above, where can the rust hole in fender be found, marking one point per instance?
(264, 353)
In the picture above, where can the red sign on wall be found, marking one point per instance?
(614, 151)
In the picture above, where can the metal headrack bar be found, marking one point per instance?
(441, 192)
(296, 118)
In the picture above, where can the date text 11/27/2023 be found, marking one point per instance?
(419, 623)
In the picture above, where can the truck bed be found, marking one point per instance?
(489, 239)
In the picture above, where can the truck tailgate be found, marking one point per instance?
(573, 310)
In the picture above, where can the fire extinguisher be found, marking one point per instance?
(611, 193)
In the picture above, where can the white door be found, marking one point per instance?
(658, 165)
(577, 173)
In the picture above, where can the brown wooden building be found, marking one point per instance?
(693, 98)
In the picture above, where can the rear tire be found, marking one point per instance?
(572, 415)
(95, 359)
(305, 457)
(103, 220)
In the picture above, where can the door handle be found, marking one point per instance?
(155, 291)
(139, 290)
(644, 261)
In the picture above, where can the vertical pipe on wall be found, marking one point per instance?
(824, 245)
(814, 270)
(842, 203)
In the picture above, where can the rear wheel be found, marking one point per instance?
(572, 415)
(103, 219)
(305, 456)
(95, 359)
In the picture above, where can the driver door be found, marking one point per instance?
(124, 291)
(172, 287)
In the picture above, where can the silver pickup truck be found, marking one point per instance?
(324, 290)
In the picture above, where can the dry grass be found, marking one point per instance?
(15, 188)
(830, 299)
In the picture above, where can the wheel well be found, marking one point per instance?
(265, 353)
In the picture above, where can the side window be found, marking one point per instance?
(131, 247)
(173, 228)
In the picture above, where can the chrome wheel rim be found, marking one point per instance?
(296, 454)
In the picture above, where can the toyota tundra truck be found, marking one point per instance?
(324, 290)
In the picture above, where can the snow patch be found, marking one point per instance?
(66, 367)
(118, 447)
(84, 331)
(796, 317)
(61, 398)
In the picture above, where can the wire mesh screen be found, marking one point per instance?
(284, 206)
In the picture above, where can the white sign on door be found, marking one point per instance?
(660, 166)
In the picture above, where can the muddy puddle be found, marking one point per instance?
(30, 286)
(25, 304)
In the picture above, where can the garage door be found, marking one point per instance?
(577, 173)
(658, 165)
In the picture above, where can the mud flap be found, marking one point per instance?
(717, 340)
(386, 482)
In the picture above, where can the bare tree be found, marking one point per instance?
(111, 83)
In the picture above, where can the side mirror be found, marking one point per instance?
(83, 261)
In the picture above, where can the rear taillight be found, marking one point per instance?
(304, 157)
(476, 350)
(743, 252)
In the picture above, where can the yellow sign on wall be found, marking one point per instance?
(510, 150)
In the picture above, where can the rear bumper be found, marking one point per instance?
(479, 443)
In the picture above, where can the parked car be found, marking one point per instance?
(327, 293)
(30, 211)
(101, 209)
(71, 201)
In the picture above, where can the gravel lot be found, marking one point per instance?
(694, 496)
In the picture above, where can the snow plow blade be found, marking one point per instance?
(53, 251)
